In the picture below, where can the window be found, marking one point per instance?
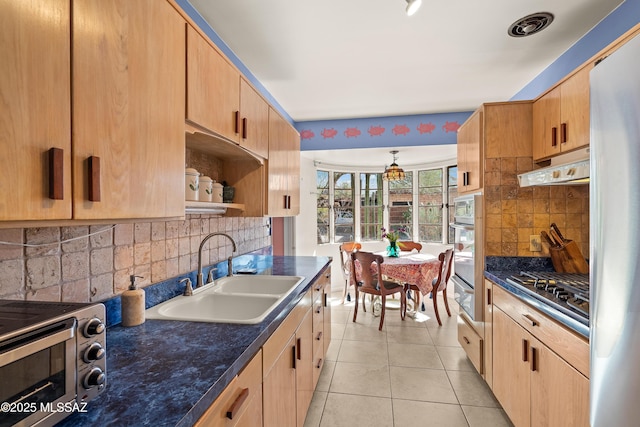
(400, 205)
(322, 184)
(389, 204)
(370, 206)
(430, 205)
(343, 206)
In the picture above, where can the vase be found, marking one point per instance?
(393, 250)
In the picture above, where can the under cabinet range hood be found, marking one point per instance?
(566, 169)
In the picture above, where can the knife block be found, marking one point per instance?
(568, 258)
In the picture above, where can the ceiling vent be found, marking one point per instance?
(530, 24)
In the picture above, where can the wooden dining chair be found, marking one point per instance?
(408, 245)
(346, 249)
(439, 284)
(372, 283)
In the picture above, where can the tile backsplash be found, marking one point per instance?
(513, 213)
(94, 262)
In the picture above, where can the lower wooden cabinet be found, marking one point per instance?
(240, 404)
(471, 342)
(535, 385)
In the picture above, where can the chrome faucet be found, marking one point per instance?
(199, 282)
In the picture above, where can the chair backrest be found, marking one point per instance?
(440, 282)
(345, 256)
(367, 278)
(408, 245)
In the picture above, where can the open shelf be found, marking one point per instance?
(210, 208)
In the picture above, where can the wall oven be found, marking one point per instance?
(52, 360)
(468, 257)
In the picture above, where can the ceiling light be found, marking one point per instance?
(530, 24)
(393, 172)
(413, 6)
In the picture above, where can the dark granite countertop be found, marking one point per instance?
(167, 373)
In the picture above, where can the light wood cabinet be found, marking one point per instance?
(561, 117)
(488, 334)
(240, 404)
(326, 319)
(283, 190)
(35, 110)
(535, 384)
(128, 131)
(221, 101)
(305, 384)
(470, 138)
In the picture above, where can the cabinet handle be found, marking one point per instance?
(285, 201)
(299, 351)
(326, 300)
(533, 321)
(236, 120)
(563, 133)
(56, 173)
(319, 337)
(94, 179)
(466, 340)
(465, 178)
(235, 406)
(319, 365)
(288, 202)
(554, 136)
(488, 296)
(294, 356)
(244, 128)
(534, 359)
(319, 309)
(525, 350)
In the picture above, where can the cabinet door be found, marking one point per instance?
(213, 88)
(559, 393)
(304, 368)
(511, 376)
(488, 333)
(277, 170)
(279, 389)
(326, 296)
(128, 97)
(469, 152)
(574, 128)
(546, 125)
(254, 134)
(293, 170)
(35, 109)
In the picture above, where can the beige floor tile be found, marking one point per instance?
(363, 352)
(364, 332)
(326, 375)
(341, 316)
(404, 335)
(343, 410)
(471, 389)
(486, 417)
(414, 356)
(428, 385)
(455, 359)
(337, 330)
(334, 349)
(316, 408)
(410, 413)
(444, 336)
(361, 379)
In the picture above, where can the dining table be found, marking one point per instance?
(412, 267)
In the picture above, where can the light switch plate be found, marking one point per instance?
(535, 245)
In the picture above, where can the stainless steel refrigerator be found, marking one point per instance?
(615, 239)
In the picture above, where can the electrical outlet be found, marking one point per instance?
(535, 245)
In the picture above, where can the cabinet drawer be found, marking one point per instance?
(242, 395)
(471, 342)
(318, 361)
(573, 348)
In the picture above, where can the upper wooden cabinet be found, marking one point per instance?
(470, 139)
(35, 110)
(126, 146)
(128, 97)
(561, 117)
(221, 101)
(283, 191)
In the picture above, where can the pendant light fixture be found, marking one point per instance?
(413, 6)
(393, 172)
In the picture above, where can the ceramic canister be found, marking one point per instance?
(206, 189)
(191, 184)
(217, 192)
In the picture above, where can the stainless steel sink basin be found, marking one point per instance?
(236, 299)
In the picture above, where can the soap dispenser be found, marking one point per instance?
(133, 304)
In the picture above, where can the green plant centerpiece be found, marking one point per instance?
(392, 237)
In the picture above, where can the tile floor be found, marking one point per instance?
(412, 373)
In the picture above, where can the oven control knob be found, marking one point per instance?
(94, 352)
(94, 378)
(93, 327)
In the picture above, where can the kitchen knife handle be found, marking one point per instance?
(563, 133)
(237, 403)
(547, 239)
(56, 173)
(554, 136)
(555, 228)
(556, 238)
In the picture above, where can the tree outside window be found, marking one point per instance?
(370, 206)
(322, 191)
(400, 205)
(430, 205)
(452, 193)
(343, 204)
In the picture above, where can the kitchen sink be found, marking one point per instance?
(235, 299)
